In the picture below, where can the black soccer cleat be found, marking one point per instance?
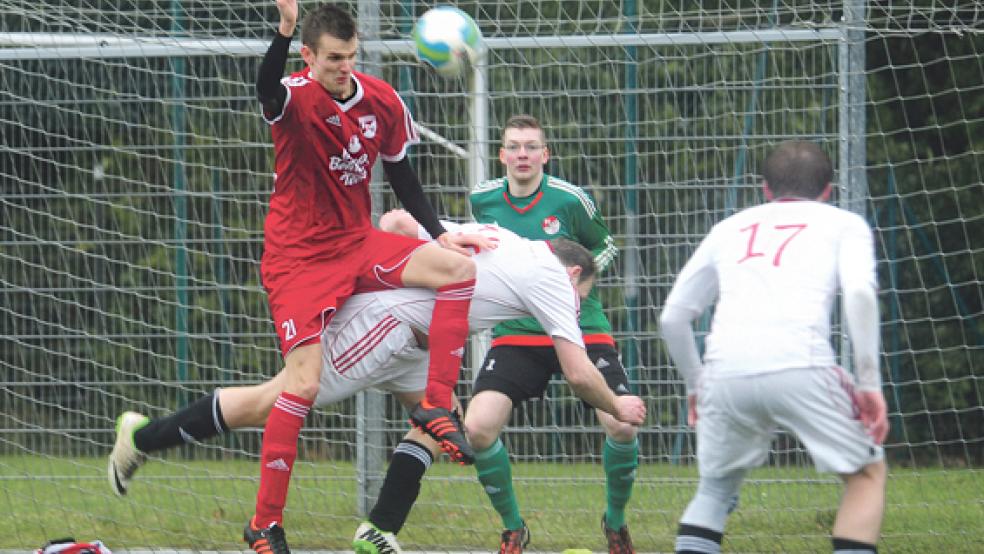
(443, 426)
(269, 540)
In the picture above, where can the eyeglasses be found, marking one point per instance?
(531, 148)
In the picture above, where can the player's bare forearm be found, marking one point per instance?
(594, 392)
(582, 376)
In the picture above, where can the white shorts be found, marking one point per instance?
(739, 416)
(365, 346)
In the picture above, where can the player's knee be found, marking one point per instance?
(303, 385)
(876, 472)
(307, 390)
(620, 431)
(394, 221)
(480, 436)
(303, 369)
(460, 268)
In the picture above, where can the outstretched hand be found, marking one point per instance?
(874, 414)
(630, 409)
(467, 243)
(288, 16)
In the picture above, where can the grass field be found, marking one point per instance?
(203, 505)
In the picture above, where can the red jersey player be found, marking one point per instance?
(329, 124)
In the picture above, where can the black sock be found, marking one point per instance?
(692, 539)
(854, 547)
(401, 486)
(200, 420)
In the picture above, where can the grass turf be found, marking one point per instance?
(204, 504)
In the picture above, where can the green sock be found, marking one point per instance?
(495, 474)
(620, 461)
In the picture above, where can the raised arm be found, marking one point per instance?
(271, 93)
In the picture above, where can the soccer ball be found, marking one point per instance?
(447, 39)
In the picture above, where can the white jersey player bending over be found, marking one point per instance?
(775, 270)
(376, 340)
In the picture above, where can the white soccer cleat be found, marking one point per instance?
(125, 459)
(370, 540)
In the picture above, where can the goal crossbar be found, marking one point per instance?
(39, 46)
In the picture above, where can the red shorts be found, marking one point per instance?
(305, 293)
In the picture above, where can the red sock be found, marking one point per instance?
(283, 426)
(447, 335)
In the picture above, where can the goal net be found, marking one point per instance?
(134, 176)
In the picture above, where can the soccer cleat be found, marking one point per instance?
(125, 459)
(369, 539)
(619, 542)
(269, 540)
(513, 542)
(443, 426)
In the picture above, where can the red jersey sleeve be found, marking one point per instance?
(402, 132)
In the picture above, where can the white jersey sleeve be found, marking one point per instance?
(858, 282)
(695, 289)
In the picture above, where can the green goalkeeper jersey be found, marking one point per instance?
(556, 209)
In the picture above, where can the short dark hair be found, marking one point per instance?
(522, 121)
(327, 19)
(571, 253)
(797, 168)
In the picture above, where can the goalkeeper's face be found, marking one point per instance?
(332, 62)
(524, 154)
